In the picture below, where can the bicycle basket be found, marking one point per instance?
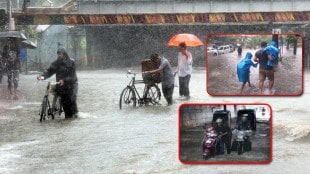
(52, 87)
(148, 65)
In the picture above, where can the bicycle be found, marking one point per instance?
(49, 110)
(130, 95)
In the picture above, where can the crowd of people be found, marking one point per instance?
(64, 68)
(262, 57)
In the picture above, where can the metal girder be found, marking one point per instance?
(159, 19)
(188, 6)
(93, 12)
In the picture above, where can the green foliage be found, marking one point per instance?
(255, 41)
(29, 31)
(32, 33)
(291, 39)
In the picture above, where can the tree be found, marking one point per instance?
(292, 40)
(289, 40)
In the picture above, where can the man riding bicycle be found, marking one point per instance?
(64, 68)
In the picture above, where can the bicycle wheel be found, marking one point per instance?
(128, 97)
(44, 108)
(153, 94)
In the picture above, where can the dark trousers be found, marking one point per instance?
(168, 92)
(13, 77)
(224, 141)
(68, 99)
(1, 75)
(184, 85)
(1, 71)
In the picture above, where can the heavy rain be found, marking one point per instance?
(144, 139)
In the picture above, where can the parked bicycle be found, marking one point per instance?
(49, 110)
(130, 95)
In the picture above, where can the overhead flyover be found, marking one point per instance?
(165, 12)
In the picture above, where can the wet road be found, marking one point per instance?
(223, 78)
(105, 139)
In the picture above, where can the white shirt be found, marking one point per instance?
(184, 67)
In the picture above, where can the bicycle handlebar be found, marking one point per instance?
(40, 78)
(48, 81)
(133, 73)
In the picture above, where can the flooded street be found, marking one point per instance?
(104, 139)
(223, 78)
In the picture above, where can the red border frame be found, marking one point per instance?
(225, 162)
(244, 95)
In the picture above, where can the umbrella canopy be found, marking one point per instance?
(5, 35)
(15, 34)
(20, 37)
(189, 39)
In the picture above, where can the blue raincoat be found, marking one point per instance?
(243, 68)
(274, 52)
(23, 55)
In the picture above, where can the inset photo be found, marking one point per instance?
(259, 65)
(225, 133)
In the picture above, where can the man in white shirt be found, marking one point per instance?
(184, 70)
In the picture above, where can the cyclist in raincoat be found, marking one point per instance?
(64, 68)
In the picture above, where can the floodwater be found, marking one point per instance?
(223, 78)
(105, 139)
